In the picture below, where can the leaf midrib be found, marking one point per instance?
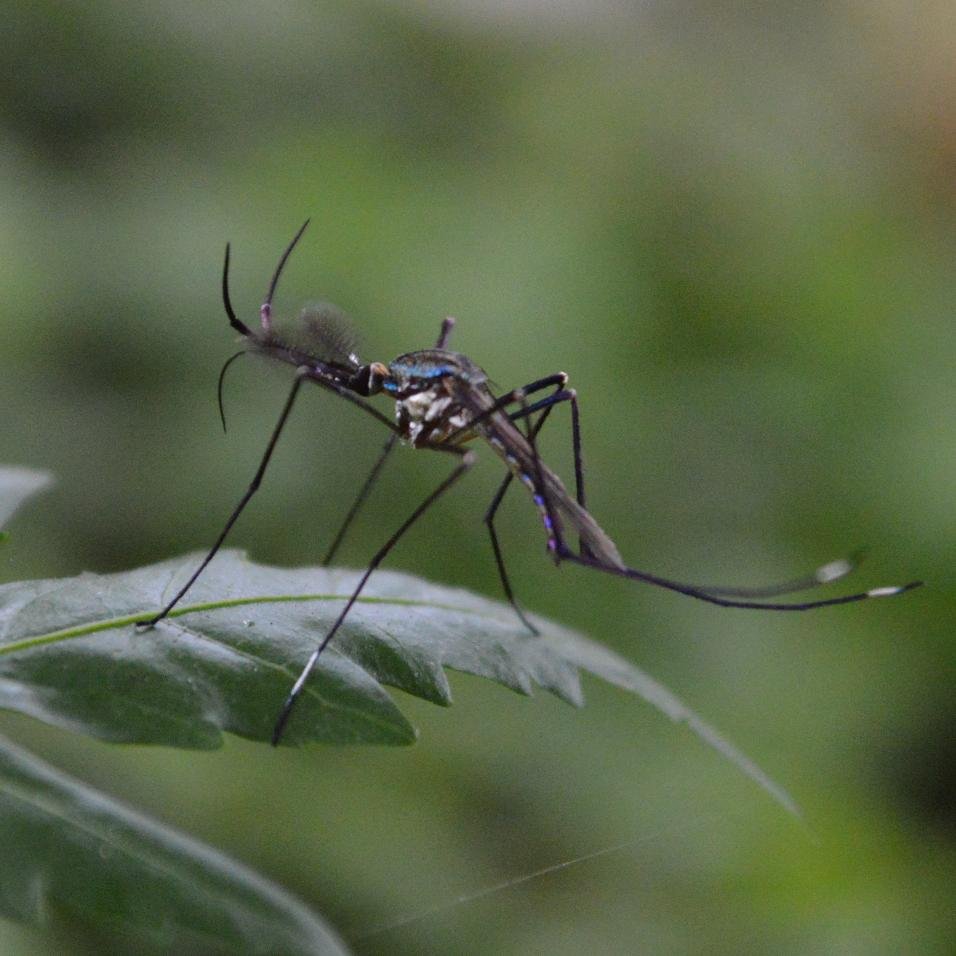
(108, 624)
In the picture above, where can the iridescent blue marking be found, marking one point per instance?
(422, 371)
(529, 483)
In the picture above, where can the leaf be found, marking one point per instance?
(66, 848)
(16, 485)
(70, 655)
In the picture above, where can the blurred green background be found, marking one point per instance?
(732, 224)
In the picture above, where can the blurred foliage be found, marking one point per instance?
(733, 224)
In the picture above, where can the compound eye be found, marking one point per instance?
(370, 379)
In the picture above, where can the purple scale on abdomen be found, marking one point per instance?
(512, 462)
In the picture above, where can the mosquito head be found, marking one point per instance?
(369, 379)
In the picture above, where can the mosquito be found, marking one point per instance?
(443, 400)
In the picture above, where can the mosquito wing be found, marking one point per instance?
(592, 535)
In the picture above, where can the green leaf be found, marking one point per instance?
(16, 485)
(66, 848)
(70, 655)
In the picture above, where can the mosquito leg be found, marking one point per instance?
(544, 405)
(448, 323)
(499, 559)
(511, 398)
(825, 574)
(562, 551)
(702, 595)
(243, 501)
(496, 547)
(466, 459)
(360, 498)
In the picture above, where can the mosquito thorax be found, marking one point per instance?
(427, 409)
(423, 370)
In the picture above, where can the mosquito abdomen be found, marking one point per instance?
(554, 503)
